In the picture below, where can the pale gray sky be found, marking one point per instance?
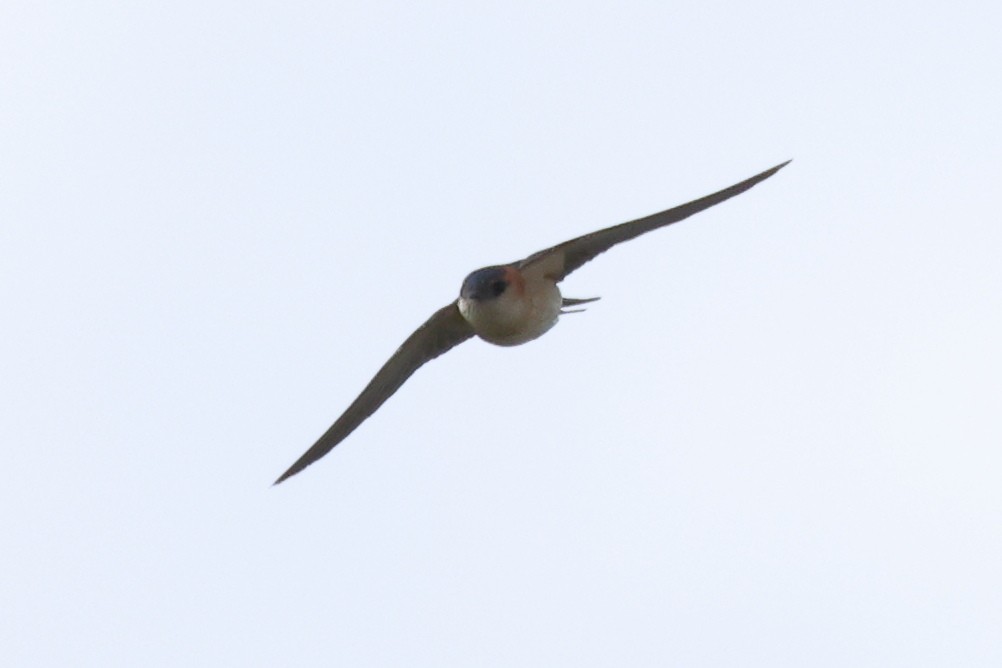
(776, 441)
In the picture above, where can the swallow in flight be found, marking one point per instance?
(507, 305)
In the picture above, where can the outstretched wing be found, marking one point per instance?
(560, 260)
(444, 330)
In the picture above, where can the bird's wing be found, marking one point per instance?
(560, 260)
(444, 330)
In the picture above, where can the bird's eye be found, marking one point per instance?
(498, 287)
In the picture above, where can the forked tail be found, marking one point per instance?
(576, 302)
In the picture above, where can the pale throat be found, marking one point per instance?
(513, 318)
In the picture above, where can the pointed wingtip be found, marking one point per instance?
(764, 175)
(288, 474)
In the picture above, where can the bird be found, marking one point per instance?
(505, 304)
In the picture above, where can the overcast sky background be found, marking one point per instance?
(774, 442)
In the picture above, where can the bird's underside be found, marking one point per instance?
(505, 304)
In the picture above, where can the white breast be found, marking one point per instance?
(513, 318)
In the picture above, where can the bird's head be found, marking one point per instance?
(489, 283)
(494, 301)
